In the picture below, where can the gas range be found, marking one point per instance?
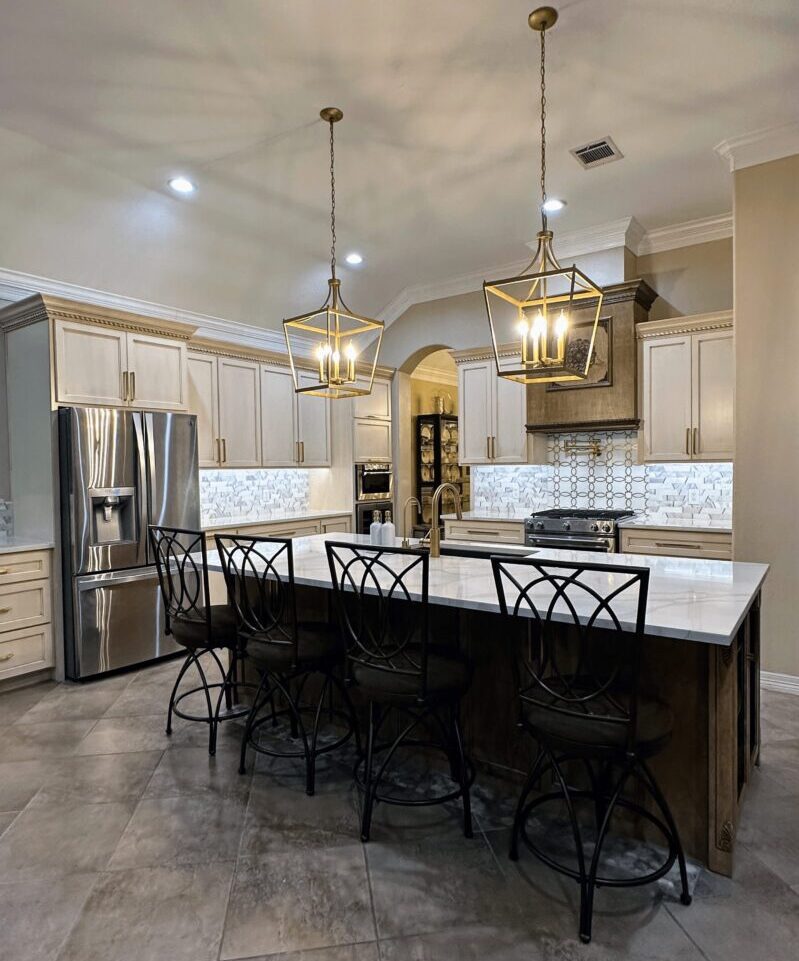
(575, 529)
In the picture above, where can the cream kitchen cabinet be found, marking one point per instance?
(26, 640)
(688, 385)
(492, 415)
(375, 405)
(371, 424)
(491, 531)
(204, 402)
(677, 542)
(295, 428)
(224, 393)
(103, 366)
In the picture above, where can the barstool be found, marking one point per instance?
(202, 628)
(285, 651)
(581, 629)
(382, 598)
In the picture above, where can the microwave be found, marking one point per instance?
(373, 482)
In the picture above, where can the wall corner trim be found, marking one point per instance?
(783, 683)
(759, 146)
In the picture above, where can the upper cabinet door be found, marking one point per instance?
(313, 426)
(90, 362)
(239, 412)
(278, 419)
(204, 402)
(158, 373)
(371, 441)
(509, 430)
(713, 381)
(667, 398)
(376, 404)
(475, 396)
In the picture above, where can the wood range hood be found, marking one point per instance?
(613, 403)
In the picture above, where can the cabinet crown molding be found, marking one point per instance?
(717, 320)
(46, 307)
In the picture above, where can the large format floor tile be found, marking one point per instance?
(97, 778)
(71, 702)
(20, 780)
(54, 739)
(37, 916)
(298, 900)
(15, 703)
(55, 840)
(191, 770)
(180, 830)
(153, 914)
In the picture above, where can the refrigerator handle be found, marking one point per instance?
(149, 434)
(142, 483)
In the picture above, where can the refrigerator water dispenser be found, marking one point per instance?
(113, 511)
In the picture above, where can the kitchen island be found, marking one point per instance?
(701, 657)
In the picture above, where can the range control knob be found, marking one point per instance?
(606, 528)
(539, 525)
(594, 527)
(566, 526)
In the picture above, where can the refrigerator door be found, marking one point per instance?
(119, 619)
(173, 482)
(102, 489)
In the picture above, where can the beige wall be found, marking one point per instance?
(689, 280)
(765, 502)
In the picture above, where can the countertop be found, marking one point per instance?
(666, 522)
(272, 517)
(515, 517)
(17, 543)
(689, 599)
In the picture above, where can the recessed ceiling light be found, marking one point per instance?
(354, 259)
(182, 185)
(553, 205)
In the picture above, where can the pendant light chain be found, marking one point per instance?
(543, 130)
(332, 206)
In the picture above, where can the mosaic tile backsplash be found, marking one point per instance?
(575, 477)
(6, 518)
(251, 493)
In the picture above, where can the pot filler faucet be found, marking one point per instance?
(435, 534)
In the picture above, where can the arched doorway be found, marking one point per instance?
(426, 385)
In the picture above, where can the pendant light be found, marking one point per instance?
(345, 346)
(534, 331)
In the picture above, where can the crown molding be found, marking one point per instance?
(625, 232)
(759, 146)
(435, 375)
(686, 234)
(718, 320)
(16, 285)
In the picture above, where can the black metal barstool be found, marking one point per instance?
(286, 651)
(202, 628)
(580, 633)
(382, 598)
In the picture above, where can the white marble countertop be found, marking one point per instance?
(17, 543)
(689, 599)
(516, 516)
(665, 522)
(272, 517)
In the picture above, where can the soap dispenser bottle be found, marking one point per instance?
(376, 527)
(388, 532)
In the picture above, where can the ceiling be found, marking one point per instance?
(437, 162)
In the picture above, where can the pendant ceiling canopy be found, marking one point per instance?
(543, 322)
(344, 345)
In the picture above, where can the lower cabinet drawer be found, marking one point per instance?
(501, 532)
(678, 543)
(339, 525)
(26, 650)
(296, 529)
(24, 605)
(24, 566)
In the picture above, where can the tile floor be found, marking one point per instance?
(119, 844)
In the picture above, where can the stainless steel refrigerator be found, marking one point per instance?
(121, 470)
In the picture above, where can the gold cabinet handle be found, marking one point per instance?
(302, 451)
(688, 441)
(696, 440)
(690, 547)
(125, 396)
(4, 610)
(488, 448)
(3, 570)
(493, 447)
(224, 450)
(6, 657)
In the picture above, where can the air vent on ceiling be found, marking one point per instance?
(597, 152)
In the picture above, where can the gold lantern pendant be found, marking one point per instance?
(344, 346)
(531, 315)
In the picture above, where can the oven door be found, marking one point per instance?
(373, 482)
(572, 542)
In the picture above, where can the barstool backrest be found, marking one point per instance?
(259, 574)
(583, 627)
(382, 599)
(182, 564)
